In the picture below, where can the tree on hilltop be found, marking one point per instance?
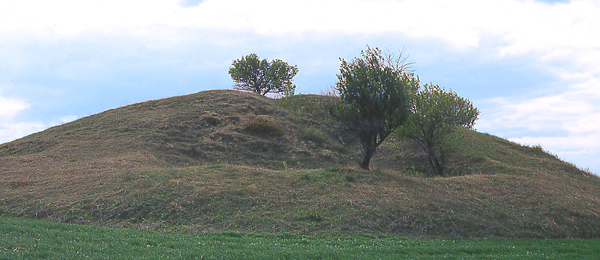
(250, 73)
(435, 121)
(375, 96)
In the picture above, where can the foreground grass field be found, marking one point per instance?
(32, 239)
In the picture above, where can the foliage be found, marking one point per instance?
(374, 93)
(437, 116)
(261, 76)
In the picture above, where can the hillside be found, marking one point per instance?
(232, 161)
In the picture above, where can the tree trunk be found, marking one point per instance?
(435, 163)
(368, 152)
(368, 140)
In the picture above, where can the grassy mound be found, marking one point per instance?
(234, 161)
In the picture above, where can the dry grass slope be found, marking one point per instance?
(232, 161)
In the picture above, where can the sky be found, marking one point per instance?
(531, 66)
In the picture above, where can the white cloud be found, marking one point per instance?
(556, 29)
(12, 131)
(525, 26)
(567, 124)
(582, 144)
(9, 130)
(70, 17)
(566, 120)
(583, 150)
(10, 107)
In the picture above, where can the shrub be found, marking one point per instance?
(375, 93)
(262, 125)
(313, 134)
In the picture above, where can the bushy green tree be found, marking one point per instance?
(374, 97)
(436, 118)
(250, 73)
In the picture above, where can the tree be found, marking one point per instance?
(374, 97)
(436, 117)
(261, 76)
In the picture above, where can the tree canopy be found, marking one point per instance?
(250, 73)
(375, 96)
(436, 117)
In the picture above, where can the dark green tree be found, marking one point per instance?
(250, 73)
(374, 97)
(436, 118)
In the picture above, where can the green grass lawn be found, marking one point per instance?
(32, 239)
